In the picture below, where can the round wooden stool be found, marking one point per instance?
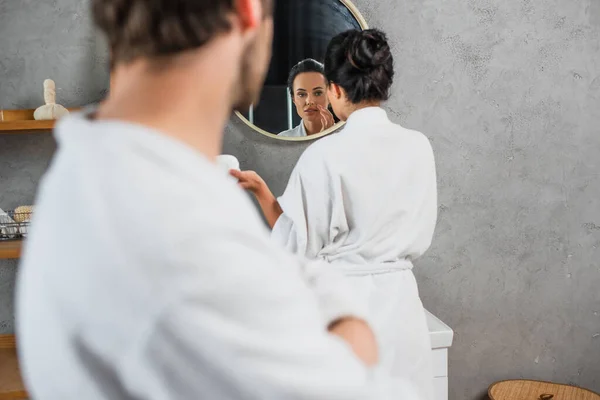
(536, 390)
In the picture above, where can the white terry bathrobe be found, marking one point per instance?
(365, 201)
(298, 131)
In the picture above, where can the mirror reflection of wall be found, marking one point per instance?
(303, 29)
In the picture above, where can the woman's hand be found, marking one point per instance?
(250, 181)
(327, 120)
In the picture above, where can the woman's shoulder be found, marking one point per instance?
(415, 137)
(297, 131)
(318, 154)
(324, 145)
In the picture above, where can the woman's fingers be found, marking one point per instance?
(329, 121)
(326, 117)
(245, 175)
(248, 180)
(248, 185)
(330, 117)
(323, 119)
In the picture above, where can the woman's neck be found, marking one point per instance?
(350, 108)
(312, 127)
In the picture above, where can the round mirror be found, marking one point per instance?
(303, 29)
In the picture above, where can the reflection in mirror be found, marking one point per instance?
(306, 87)
(293, 103)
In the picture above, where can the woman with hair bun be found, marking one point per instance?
(365, 201)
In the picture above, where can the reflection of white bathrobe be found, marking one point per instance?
(298, 131)
(364, 200)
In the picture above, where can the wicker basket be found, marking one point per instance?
(535, 390)
(14, 225)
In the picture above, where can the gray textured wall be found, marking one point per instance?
(509, 93)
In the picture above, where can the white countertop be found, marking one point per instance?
(441, 334)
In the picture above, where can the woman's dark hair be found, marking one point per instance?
(361, 62)
(307, 65)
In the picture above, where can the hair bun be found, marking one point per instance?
(368, 49)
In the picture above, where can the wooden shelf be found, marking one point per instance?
(10, 249)
(26, 126)
(21, 121)
(11, 384)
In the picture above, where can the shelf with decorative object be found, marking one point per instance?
(11, 384)
(22, 121)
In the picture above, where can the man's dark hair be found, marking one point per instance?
(156, 28)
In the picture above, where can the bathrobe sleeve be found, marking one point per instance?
(314, 193)
(250, 329)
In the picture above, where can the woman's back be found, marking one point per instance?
(368, 193)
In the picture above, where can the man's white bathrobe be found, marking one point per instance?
(149, 275)
(365, 201)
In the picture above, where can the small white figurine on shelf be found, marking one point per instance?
(51, 110)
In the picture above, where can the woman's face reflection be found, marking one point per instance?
(309, 93)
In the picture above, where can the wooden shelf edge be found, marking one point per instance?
(10, 249)
(25, 126)
(11, 384)
(8, 342)
(14, 395)
(21, 121)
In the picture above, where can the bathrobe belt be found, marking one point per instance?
(352, 269)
